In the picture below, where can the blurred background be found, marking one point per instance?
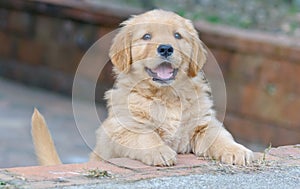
(256, 43)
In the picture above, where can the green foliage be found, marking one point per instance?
(268, 15)
(213, 19)
(181, 12)
(97, 173)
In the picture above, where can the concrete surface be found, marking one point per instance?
(281, 178)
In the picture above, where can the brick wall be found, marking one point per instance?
(262, 81)
(42, 42)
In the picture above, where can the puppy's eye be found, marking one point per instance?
(177, 35)
(147, 36)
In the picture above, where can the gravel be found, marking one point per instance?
(280, 178)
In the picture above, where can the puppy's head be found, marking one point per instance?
(158, 46)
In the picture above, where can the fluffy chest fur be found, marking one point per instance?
(173, 112)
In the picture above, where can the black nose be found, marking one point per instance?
(165, 50)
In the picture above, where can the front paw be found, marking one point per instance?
(235, 154)
(160, 156)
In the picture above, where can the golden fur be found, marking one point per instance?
(153, 121)
(42, 140)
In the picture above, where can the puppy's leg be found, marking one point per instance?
(146, 147)
(104, 147)
(214, 141)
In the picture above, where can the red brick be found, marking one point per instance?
(111, 21)
(241, 71)
(286, 136)
(265, 157)
(102, 31)
(274, 96)
(223, 57)
(283, 73)
(20, 22)
(30, 52)
(251, 130)
(63, 57)
(287, 76)
(293, 54)
(244, 68)
(292, 151)
(128, 163)
(6, 45)
(257, 103)
(242, 129)
(183, 161)
(106, 75)
(189, 160)
(234, 90)
(267, 133)
(45, 28)
(65, 171)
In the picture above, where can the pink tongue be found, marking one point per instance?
(164, 72)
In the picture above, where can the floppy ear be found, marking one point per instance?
(120, 51)
(198, 57)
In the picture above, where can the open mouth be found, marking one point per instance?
(164, 73)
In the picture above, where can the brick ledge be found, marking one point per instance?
(126, 170)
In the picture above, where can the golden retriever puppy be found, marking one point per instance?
(160, 105)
